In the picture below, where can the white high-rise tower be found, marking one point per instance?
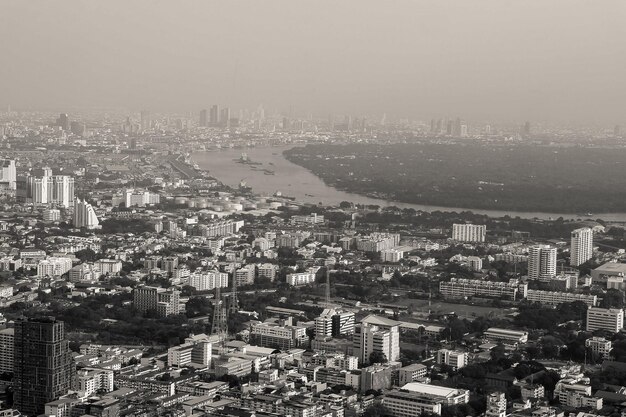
(582, 246)
(542, 262)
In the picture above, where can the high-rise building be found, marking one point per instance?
(469, 232)
(85, 215)
(62, 190)
(204, 118)
(214, 115)
(611, 319)
(526, 128)
(63, 121)
(378, 335)
(225, 117)
(7, 354)
(47, 189)
(617, 130)
(542, 262)
(8, 176)
(581, 249)
(44, 367)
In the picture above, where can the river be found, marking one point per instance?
(295, 181)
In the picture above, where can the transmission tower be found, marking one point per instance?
(233, 305)
(219, 325)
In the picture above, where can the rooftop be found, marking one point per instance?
(431, 389)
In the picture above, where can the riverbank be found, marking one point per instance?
(296, 181)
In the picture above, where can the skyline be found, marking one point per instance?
(484, 60)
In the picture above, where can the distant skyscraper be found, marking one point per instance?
(63, 121)
(43, 364)
(440, 126)
(225, 117)
(526, 129)
(464, 132)
(581, 249)
(204, 118)
(617, 131)
(85, 215)
(214, 115)
(541, 262)
(286, 124)
(450, 128)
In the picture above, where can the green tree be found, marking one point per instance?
(376, 410)
(377, 357)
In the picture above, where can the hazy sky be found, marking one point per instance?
(554, 60)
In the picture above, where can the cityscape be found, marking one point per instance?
(281, 255)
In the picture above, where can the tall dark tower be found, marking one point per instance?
(44, 367)
(219, 325)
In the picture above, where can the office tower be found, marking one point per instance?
(43, 364)
(464, 131)
(8, 175)
(63, 121)
(450, 128)
(541, 262)
(204, 118)
(488, 129)
(85, 215)
(145, 120)
(581, 249)
(225, 117)
(378, 335)
(286, 125)
(7, 354)
(469, 232)
(526, 129)
(440, 126)
(433, 125)
(611, 319)
(214, 115)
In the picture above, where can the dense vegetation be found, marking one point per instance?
(473, 175)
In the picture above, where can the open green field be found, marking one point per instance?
(462, 310)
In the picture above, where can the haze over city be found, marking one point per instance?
(560, 61)
(347, 208)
